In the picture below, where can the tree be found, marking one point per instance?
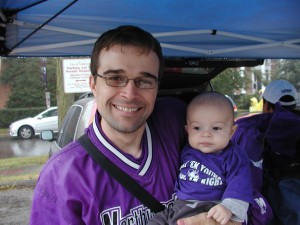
(288, 70)
(228, 81)
(24, 75)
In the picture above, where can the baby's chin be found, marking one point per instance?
(205, 148)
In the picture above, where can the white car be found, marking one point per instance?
(78, 117)
(26, 128)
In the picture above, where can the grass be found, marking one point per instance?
(13, 170)
(13, 179)
(23, 161)
(3, 131)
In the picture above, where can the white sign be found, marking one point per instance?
(76, 74)
(48, 102)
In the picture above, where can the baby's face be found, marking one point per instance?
(209, 127)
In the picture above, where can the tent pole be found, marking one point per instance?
(49, 20)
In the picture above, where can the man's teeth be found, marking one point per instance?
(126, 109)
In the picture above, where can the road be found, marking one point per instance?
(15, 206)
(16, 147)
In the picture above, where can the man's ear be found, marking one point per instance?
(92, 83)
(267, 107)
(233, 129)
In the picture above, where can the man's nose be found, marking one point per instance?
(130, 89)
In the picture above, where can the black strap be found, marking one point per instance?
(123, 178)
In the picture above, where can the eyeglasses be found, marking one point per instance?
(122, 81)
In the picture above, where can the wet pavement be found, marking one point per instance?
(16, 195)
(16, 147)
(15, 206)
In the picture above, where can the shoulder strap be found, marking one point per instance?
(123, 178)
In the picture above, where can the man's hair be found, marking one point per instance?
(285, 98)
(126, 36)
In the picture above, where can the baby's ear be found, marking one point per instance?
(186, 128)
(233, 129)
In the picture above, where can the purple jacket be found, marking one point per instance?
(283, 133)
(73, 189)
(281, 130)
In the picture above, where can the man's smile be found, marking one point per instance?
(126, 109)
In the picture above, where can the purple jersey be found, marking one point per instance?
(73, 189)
(214, 177)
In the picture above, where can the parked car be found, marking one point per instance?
(77, 118)
(298, 102)
(86, 95)
(235, 108)
(28, 127)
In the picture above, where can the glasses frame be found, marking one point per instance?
(127, 80)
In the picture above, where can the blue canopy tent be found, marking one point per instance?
(241, 29)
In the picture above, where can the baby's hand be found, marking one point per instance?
(220, 213)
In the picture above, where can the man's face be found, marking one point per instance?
(124, 109)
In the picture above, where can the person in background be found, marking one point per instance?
(214, 173)
(272, 142)
(138, 133)
(253, 105)
(260, 100)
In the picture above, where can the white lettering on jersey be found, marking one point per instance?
(192, 170)
(262, 205)
(139, 215)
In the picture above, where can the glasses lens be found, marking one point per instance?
(116, 81)
(145, 82)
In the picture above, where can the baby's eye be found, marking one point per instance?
(196, 128)
(216, 128)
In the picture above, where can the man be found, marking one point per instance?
(140, 135)
(272, 142)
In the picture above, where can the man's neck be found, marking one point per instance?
(129, 143)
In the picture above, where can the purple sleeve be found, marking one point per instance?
(259, 212)
(238, 176)
(51, 199)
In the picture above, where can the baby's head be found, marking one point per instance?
(210, 122)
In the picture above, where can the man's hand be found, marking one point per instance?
(202, 219)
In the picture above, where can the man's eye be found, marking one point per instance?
(145, 81)
(116, 78)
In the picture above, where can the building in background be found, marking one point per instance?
(256, 77)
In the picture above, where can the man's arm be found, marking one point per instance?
(201, 219)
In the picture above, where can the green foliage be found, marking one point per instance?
(24, 75)
(7, 116)
(243, 101)
(288, 70)
(228, 82)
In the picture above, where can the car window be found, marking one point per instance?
(68, 128)
(50, 113)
